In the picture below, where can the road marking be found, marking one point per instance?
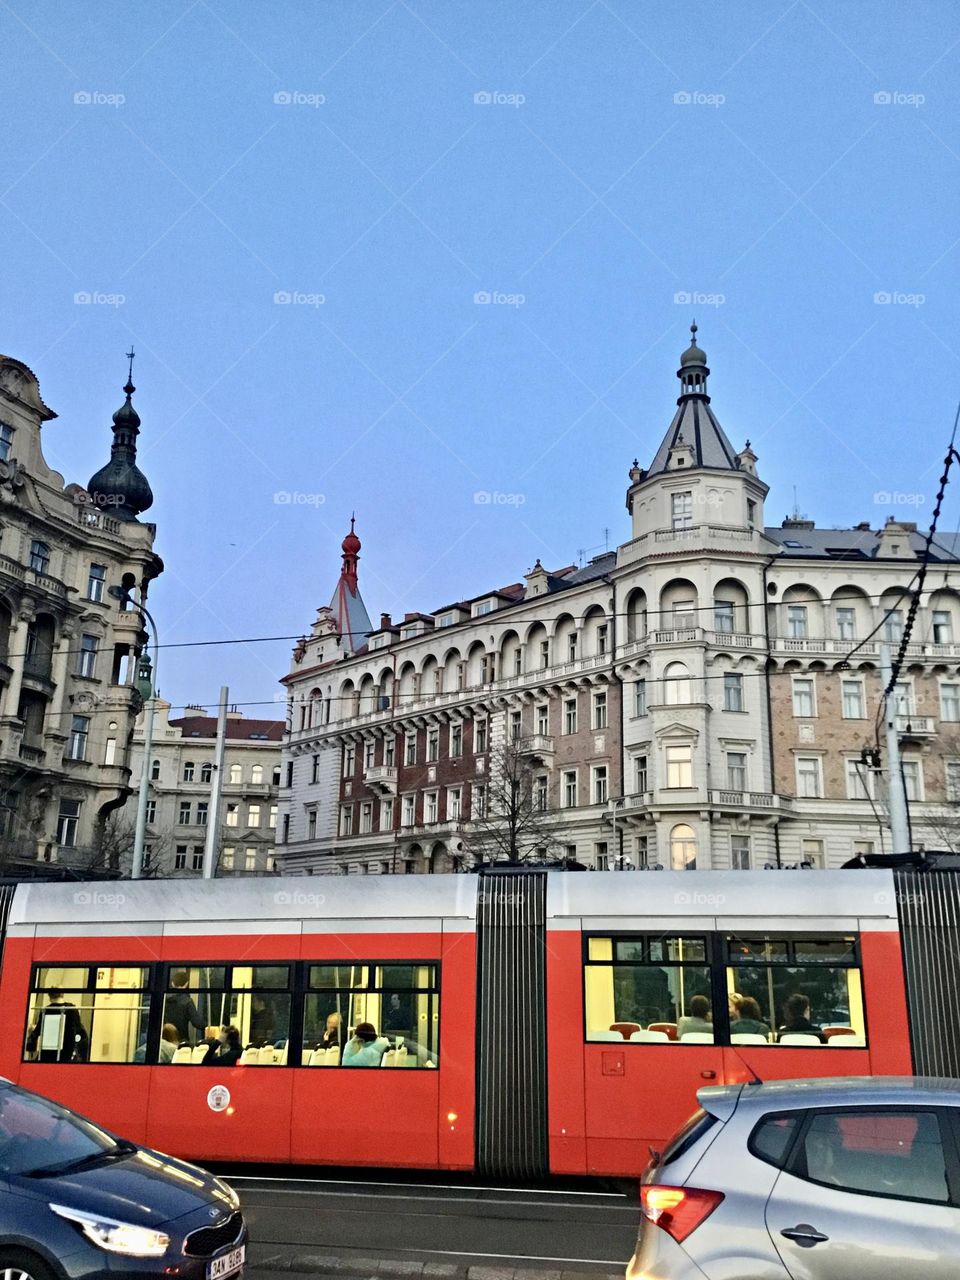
(426, 1186)
(518, 1257)
(436, 1200)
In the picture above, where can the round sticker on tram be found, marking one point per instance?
(218, 1099)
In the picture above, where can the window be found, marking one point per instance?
(912, 779)
(184, 813)
(846, 624)
(6, 440)
(540, 792)
(198, 858)
(456, 739)
(87, 657)
(893, 625)
(684, 615)
(679, 761)
(454, 804)
(227, 858)
(68, 821)
(516, 725)
(517, 661)
(180, 858)
(544, 654)
(96, 581)
(349, 762)
(861, 780)
(950, 702)
(804, 697)
(480, 800)
(811, 853)
(570, 716)
(253, 815)
(853, 700)
(797, 621)
(369, 754)
(681, 510)
(751, 512)
(640, 777)
(402, 1000)
(480, 737)
(952, 772)
(256, 775)
(272, 817)
(79, 735)
(676, 683)
(232, 818)
(314, 769)
(188, 771)
(346, 820)
(808, 777)
(894, 1153)
(683, 848)
(740, 853)
(155, 771)
(410, 748)
(285, 829)
(863, 848)
(386, 815)
(598, 783)
(572, 647)
(942, 627)
(569, 789)
(409, 811)
(903, 698)
(603, 637)
(737, 770)
(110, 751)
(600, 710)
(39, 557)
(430, 806)
(151, 812)
(601, 856)
(482, 607)
(723, 616)
(651, 982)
(253, 998)
(543, 719)
(640, 698)
(206, 773)
(390, 752)
(202, 810)
(87, 1013)
(798, 985)
(732, 692)
(433, 744)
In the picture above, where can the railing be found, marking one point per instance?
(692, 533)
(381, 775)
(93, 519)
(14, 569)
(38, 665)
(750, 799)
(908, 724)
(53, 585)
(535, 744)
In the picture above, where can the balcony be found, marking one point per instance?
(381, 778)
(746, 801)
(916, 726)
(538, 745)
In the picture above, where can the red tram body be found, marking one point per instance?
(502, 1046)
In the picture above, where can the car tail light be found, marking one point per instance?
(678, 1210)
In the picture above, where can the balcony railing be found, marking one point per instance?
(916, 726)
(535, 744)
(745, 800)
(381, 777)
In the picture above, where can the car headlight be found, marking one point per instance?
(226, 1190)
(117, 1237)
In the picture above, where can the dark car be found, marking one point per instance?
(76, 1202)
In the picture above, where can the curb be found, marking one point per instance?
(392, 1269)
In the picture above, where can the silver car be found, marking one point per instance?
(844, 1179)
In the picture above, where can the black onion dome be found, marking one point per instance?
(120, 488)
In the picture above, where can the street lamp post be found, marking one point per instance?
(146, 683)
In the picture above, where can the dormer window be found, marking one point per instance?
(409, 633)
(446, 620)
(482, 607)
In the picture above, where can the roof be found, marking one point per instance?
(829, 1092)
(239, 728)
(845, 544)
(695, 424)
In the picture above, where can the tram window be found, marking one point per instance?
(655, 985)
(88, 1014)
(401, 1003)
(201, 999)
(807, 987)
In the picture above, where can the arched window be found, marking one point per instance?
(676, 683)
(256, 773)
(188, 770)
(236, 774)
(276, 775)
(155, 771)
(683, 848)
(206, 773)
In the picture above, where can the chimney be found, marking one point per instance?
(385, 621)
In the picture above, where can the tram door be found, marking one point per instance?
(511, 1048)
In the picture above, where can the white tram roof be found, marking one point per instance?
(736, 900)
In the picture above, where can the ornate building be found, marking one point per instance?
(67, 646)
(706, 695)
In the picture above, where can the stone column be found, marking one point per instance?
(17, 653)
(61, 657)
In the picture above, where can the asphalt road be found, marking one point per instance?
(433, 1220)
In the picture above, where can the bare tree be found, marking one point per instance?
(515, 826)
(111, 853)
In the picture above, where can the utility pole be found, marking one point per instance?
(896, 796)
(216, 790)
(145, 681)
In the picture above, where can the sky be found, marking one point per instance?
(435, 263)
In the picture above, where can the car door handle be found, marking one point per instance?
(804, 1235)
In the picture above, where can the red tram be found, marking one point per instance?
(527, 1022)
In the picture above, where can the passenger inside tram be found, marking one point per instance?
(796, 1019)
(748, 1020)
(365, 1048)
(226, 1050)
(699, 1019)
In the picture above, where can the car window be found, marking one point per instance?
(898, 1154)
(35, 1133)
(699, 1124)
(770, 1140)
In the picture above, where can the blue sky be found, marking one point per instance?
(381, 164)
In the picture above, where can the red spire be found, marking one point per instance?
(351, 553)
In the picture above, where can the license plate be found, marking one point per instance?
(226, 1265)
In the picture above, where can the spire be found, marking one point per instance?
(694, 429)
(121, 487)
(349, 611)
(693, 369)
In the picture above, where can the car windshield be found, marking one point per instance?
(37, 1136)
